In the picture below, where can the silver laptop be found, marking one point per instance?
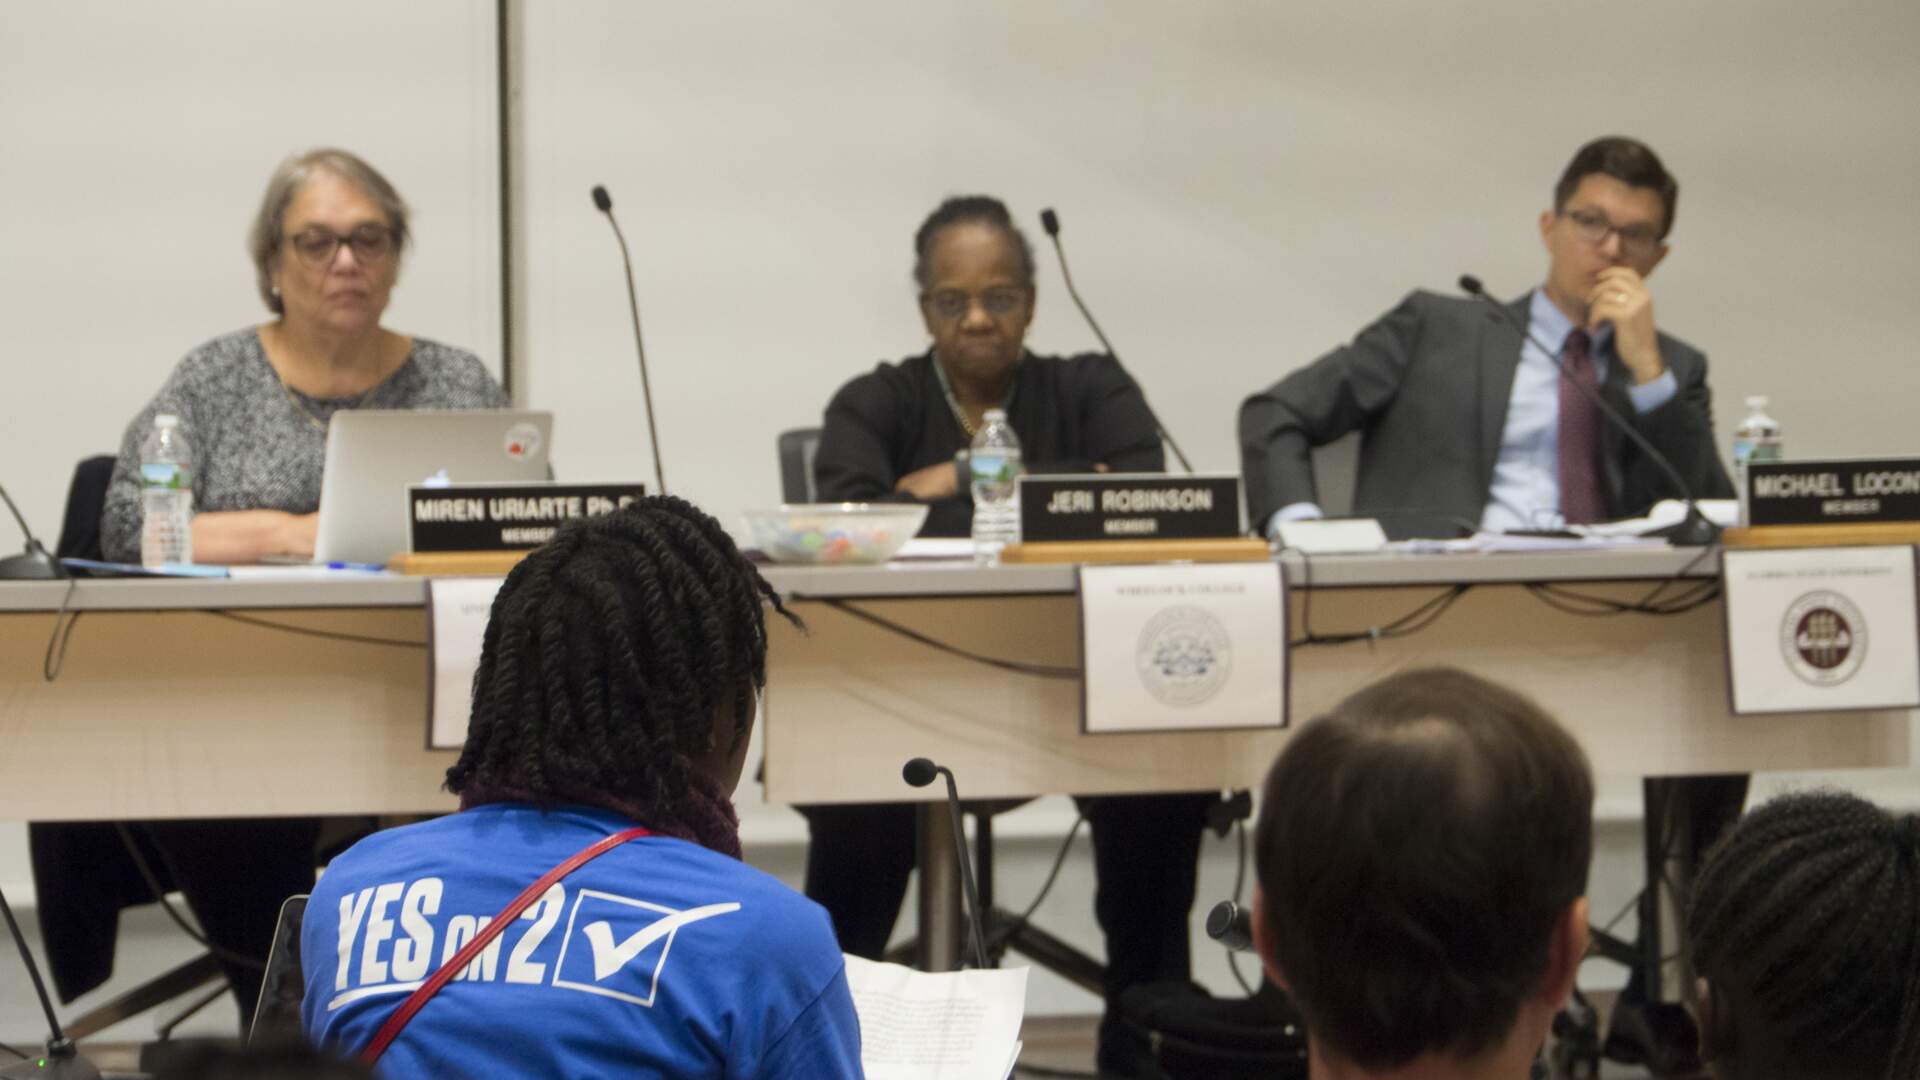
(374, 454)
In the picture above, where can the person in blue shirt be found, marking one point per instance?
(617, 687)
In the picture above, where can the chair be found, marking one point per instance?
(86, 500)
(796, 448)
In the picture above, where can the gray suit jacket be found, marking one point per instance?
(1427, 385)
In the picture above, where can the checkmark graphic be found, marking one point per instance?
(610, 956)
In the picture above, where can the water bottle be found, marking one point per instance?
(1756, 439)
(166, 495)
(994, 463)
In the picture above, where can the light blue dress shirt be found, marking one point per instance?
(1526, 476)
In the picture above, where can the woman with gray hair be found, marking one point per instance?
(255, 404)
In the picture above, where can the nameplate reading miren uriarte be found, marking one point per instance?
(504, 517)
(1129, 506)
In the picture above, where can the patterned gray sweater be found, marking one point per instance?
(252, 448)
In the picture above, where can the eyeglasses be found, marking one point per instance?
(953, 303)
(1639, 241)
(317, 246)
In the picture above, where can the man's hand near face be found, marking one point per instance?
(1620, 297)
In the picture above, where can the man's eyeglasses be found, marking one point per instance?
(317, 246)
(1638, 241)
(953, 303)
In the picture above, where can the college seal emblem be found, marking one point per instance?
(1184, 656)
(1823, 637)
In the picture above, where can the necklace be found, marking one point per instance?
(319, 425)
(953, 403)
(299, 406)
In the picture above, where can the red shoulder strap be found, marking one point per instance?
(481, 940)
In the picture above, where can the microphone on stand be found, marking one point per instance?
(62, 1060)
(1231, 925)
(604, 202)
(920, 772)
(1695, 530)
(1050, 221)
(35, 564)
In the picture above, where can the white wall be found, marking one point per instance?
(138, 138)
(1242, 186)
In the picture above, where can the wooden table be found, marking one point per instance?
(168, 709)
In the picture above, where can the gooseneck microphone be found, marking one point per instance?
(604, 203)
(34, 564)
(62, 1060)
(1695, 530)
(1050, 221)
(1231, 925)
(920, 772)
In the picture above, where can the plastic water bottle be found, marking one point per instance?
(166, 494)
(994, 462)
(1756, 439)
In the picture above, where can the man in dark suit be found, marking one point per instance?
(1464, 422)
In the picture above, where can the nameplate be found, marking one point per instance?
(504, 517)
(1832, 492)
(1822, 629)
(1183, 647)
(1129, 506)
(457, 613)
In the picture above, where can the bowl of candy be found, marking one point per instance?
(834, 534)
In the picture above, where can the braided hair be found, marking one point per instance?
(1808, 912)
(610, 657)
(967, 210)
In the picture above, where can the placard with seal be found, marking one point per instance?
(1129, 506)
(1832, 492)
(1822, 629)
(503, 517)
(1183, 647)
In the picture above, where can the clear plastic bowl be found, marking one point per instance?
(834, 534)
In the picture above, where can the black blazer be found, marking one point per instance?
(1427, 385)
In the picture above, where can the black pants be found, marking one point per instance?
(1146, 849)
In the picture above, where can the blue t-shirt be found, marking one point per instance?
(660, 958)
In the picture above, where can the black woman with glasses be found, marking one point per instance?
(893, 435)
(254, 404)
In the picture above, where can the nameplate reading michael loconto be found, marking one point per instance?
(1832, 492)
(1129, 506)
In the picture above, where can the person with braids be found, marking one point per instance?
(894, 435)
(1421, 861)
(1805, 933)
(617, 686)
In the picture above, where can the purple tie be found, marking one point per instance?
(1579, 437)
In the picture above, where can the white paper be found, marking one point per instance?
(1183, 647)
(459, 608)
(914, 1025)
(1816, 629)
(935, 549)
(1333, 536)
(1722, 512)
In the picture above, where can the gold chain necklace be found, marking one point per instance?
(299, 406)
(319, 425)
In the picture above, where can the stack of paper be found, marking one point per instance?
(961, 1025)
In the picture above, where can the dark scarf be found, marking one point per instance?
(705, 815)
